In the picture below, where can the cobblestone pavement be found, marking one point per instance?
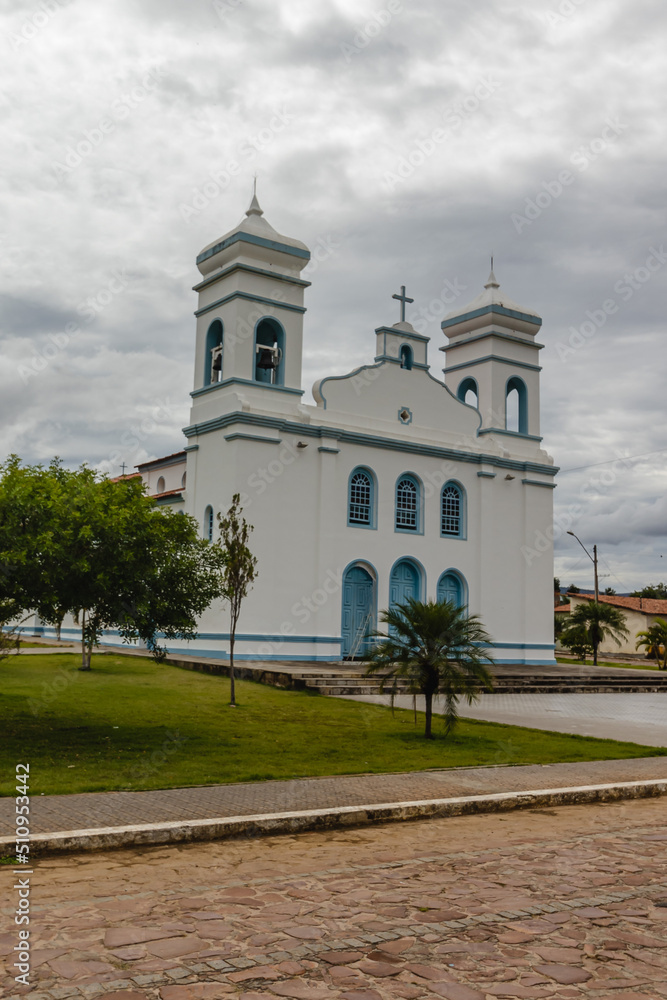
(546, 903)
(637, 717)
(90, 810)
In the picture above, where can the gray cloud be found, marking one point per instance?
(520, 93)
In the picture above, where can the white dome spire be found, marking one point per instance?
(254, 208)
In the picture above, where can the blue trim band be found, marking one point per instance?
(251, 298)
(492, 357)
(239, 435)
(276, 275)
(485, 310)
(492, 333)
(354, 437)
(329, 451)
(487, 475)
(250, 637)
(258, 241)
(536, 482)
(192, 447)
(244, 381)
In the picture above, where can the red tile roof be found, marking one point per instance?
(167, 493)
(648, 605)
(128, 475)
(560, 608)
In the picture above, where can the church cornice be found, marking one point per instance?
(492, 333)
(252, 298)
(493, 357)
(369, 440)
(276, 275)
(257, 241)
(494, 308)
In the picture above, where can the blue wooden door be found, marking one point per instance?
(449, 589)
(404, 583)
(357, 607)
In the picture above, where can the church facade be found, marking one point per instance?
(394, 484)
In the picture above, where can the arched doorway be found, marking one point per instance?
(450, 589)
(358, 612)
(404, 583)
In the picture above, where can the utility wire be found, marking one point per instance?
(610, 461)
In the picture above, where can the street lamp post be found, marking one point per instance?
(594, 559)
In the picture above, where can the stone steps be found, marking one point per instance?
(356, 683)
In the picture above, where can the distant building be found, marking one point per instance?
(639, 613)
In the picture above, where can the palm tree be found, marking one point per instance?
(655, 640)
(601, 621)
(438, 649)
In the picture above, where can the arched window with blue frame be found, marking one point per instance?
(452, 588)
(468, 391)
(453, 511)
(406, 357)
(269, 363)
(408, 504)
(516, 405)
(208, 523)
(213, 354)
(361, 499)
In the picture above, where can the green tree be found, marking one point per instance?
(572, 589)
(77, 543)
(438, 649)
(238, 571)
(654, 639)
(577, 640)
(658, 591)
(609, 591)
(600, 621)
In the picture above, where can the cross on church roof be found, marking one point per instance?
(402, 298)
(122, 469)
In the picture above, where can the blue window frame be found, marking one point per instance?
(453, 511)
(408, 504)
(361, 499)
(269, 335)
(467, 387)
(208, 523)
(213, 358)
(406, 357)
(516, 406)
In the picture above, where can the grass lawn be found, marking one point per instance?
(131, 723)
(648, 665)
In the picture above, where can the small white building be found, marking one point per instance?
(394, 484)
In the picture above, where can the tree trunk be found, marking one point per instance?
(595, 654)
(429, 714)
(85, 661)
(232, 700)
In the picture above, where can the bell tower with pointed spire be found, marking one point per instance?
(493, 353)
(249, 316)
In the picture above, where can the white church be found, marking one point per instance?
(395, 484)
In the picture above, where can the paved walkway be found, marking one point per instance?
(92, 810)
(555, 904)
(636, 718)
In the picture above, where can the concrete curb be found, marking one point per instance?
(233, 827)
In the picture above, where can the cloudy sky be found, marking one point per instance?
(410, 140)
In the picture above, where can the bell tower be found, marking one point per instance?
(493, 354)
(250, 313)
